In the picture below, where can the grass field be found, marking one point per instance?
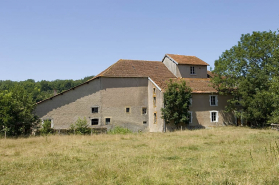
(227, 155)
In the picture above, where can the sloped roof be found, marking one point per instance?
(209, 74)
(190, 60)
(156, 70)
(198, 85)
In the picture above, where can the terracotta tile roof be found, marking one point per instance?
(209, 74)
(191, 60)
(198, 85)
(137, 68)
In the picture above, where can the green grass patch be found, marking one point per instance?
(227, 155)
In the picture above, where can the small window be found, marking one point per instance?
(95, 109)
(213, 99)
(154, 101)
(154, 90)
(127, 109)
(144, 122)
(191, 101)
(155, 117)
(190, 117)
(107, 121)
(192, 70)
(213, 116)
(144, 110)
(94, 121)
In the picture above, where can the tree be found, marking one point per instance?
(16, 111)
(176, 102)
(247, 72)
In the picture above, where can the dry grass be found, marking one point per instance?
(217, 156)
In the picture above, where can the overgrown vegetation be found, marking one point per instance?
(119, 130)
(46, 128)
(227, 155)
(249, 72)
(80, 127)
(176, 102)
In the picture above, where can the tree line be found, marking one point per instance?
(44, 89)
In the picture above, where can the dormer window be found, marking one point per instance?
(192, 70)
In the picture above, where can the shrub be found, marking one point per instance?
(80, 127)
(119, 130)
(46, 127)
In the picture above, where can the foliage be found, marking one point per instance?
(46, 127)
(248, 72)
(176, 102)
(80, 127)
(42, 89)
(16, 111)
(119, 130)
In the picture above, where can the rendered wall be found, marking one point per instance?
(171, 66)
(119, 93)
(65, 109)
(111, 95)
(184, 71)
(201, 111)
(159, 125)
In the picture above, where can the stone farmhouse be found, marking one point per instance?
(129, 94)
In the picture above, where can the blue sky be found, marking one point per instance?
(71, 39)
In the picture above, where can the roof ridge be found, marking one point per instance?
(182, 55)
(141, 60)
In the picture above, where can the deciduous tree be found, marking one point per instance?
(176, 102)
(247, 72)
(16, 111)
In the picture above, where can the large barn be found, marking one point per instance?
(130, 93)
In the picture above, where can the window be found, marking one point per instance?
(144, 110)
(107, 121)
(155, 117)
(94, 121)
(154, 90)
(144, 122)
(127, 109)
(192, 70)
(95, 109)
(154, 101)
(213, 100)
(191, 117)
(213, 116)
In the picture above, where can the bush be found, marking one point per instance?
(46, 127)
(80, 127)
(119, 130)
